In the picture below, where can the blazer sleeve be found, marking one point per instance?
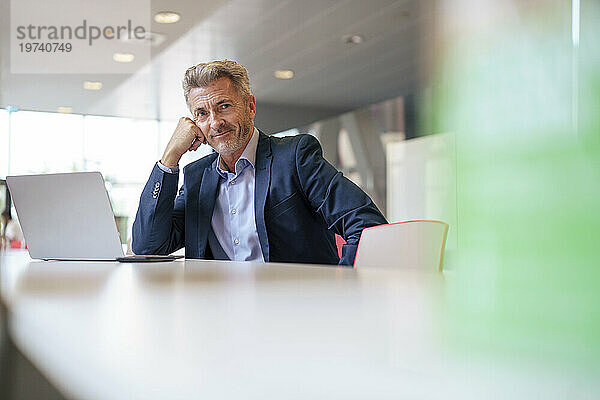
(159, 226)
(346, 208)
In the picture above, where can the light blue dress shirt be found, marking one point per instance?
(233, 220)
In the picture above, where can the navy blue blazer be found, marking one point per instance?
(300, 201)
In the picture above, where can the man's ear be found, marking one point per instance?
(252, 106)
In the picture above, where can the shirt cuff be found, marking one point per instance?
(168, 170)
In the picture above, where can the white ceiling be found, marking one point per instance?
(263, 35)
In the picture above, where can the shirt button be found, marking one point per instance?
(236, 241)
(233, 181)
(234, 211)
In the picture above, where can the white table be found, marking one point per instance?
(214, 329)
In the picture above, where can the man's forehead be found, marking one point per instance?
(219, 88)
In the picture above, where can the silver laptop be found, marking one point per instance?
(68, 217)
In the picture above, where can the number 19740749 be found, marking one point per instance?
(39, 47)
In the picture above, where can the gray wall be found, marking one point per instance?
(273, 118)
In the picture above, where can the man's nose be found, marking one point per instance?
(216, 122)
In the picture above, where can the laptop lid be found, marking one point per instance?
(66, 216)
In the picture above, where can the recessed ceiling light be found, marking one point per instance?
(90, 85)
(284, 74)
(123, 57)
(149, 38)
(167, 17)
(352, 39)
(65, 110)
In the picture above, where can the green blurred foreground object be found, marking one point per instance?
(524, 102)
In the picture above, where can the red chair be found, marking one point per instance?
(16, 244)
(339, 242)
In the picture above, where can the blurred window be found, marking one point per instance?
(45, 142)
(4, 144)
(123, 149)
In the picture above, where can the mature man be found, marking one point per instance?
(256, 198)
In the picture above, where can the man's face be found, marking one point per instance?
(222, 115)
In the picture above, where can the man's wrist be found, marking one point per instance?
(169, 159)
(167, 169)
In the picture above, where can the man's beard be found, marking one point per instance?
(237, 141)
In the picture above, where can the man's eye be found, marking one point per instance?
(201, 114)
(224, 106)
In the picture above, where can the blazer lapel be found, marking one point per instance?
(262, 180)
(206, 204)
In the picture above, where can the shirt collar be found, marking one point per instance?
(249, 155)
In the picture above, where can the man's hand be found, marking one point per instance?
(187, 137)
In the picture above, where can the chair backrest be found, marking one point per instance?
(410, 244)
(339, 243)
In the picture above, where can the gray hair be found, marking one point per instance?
(203, 74)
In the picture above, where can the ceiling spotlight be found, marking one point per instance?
(284, 74)
(89, 85)
(166, 17)
(149, 38)
(352, 39)
(65, 110)
(123, 57)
